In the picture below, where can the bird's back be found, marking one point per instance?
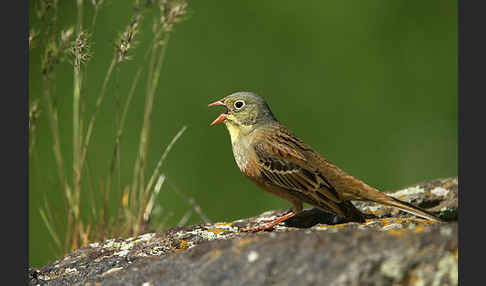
(347, 186)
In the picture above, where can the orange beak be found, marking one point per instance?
(222, 116)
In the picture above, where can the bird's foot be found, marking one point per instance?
(269, 225)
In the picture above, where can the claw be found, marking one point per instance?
(269, 225)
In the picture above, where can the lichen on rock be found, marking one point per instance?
(389, 248)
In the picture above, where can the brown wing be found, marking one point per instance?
(282, 162)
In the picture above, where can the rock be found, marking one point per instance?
(398, 250)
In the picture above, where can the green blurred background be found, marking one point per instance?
(371, 85)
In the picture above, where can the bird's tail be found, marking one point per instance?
(407, 207)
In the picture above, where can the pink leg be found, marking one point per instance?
(271, 224)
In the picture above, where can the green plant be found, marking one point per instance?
(74, 45)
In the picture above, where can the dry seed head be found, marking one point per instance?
(81, 49)
(172, 12)
(126, 40)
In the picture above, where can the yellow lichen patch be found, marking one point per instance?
(215, 254)
(386, 221)
(216, 230)
(245, 241)
(323, 226)
(219, 228)
(414, 279)
(320, 227)
(393, 223)
(419, 228)
(401, 220)
(397, 232)
(405, 219)
(183, 245)
(338, 225)
(242, 242)
(456, 254)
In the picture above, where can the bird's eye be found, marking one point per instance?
(239, 104)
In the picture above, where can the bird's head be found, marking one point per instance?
(244, 110)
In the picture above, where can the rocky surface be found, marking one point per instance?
(396, 250)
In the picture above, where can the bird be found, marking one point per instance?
(278, 162)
